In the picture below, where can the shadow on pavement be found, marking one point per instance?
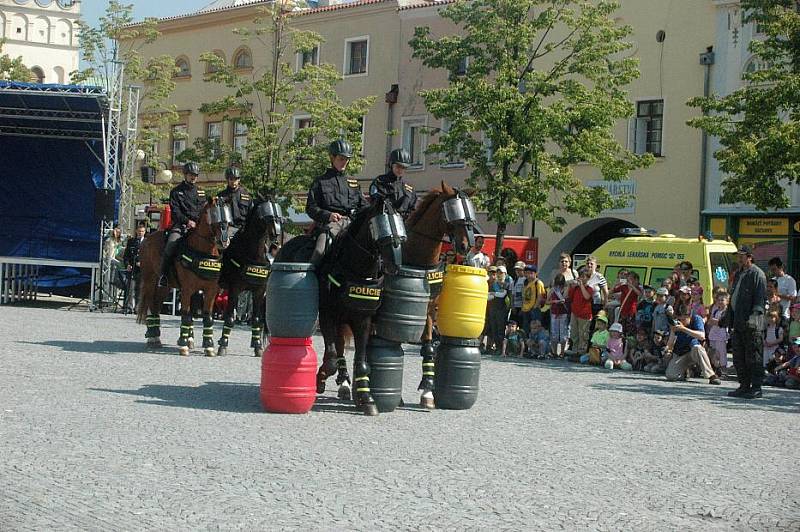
(106, 347)
(325, 404)
(220, 396)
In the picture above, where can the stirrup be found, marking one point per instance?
(163, 281)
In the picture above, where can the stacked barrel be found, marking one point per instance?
(289, 364)
(400, 318)
(461, 316)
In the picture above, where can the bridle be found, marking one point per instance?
(270, 211)
(457, 211)
(220, 214)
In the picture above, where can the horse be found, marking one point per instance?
(245, 268)
(350, 279)
(197, 267)
(443, 211)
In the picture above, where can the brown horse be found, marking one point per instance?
(443, 211)
(202, 250)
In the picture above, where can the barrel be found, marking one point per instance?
(385, 372)
(292, 300)
(458, 366)
(289, 376)
(462, 304)
(404, 306)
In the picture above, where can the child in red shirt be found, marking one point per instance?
(629, 291)
(580, 300)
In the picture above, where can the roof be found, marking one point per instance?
(423, 3)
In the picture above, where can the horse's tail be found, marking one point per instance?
(150, 260)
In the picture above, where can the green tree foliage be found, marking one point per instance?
(545, 87)
(118, 39)
(12, 69)
(280, 160)
(757, 125)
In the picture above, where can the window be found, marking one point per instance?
(645, 132)
(414, 140)
(37, 75)
(461, 69)
(182, 64)
(309, 57)
(240, 139)
(210, 69)
(243, 59)
(755, 64)
(360, 129)
(488, 148)
(454, 160)
(214, 137)
(356, 56)
(179, 136)
(300, 123)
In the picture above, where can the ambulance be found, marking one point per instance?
(655, 257)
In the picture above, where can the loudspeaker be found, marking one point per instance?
(104, 204)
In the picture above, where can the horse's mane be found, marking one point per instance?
(423, 205)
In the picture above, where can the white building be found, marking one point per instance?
(44, 33)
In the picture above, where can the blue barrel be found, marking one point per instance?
(404, 305)
(458, 366)
(292, 300)
(385, 372)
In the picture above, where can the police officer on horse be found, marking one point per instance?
(186, 202)
(237, 197)
(392, 186)
(333, 198)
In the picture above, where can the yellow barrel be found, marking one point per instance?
(462, 304)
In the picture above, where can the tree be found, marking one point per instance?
(544, 86)
(12, 69)
(281, 159)
(118, 41)
(757, 125)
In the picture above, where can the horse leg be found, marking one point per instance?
(342, 376)
(428, 365)
(153, 333)
(258, 323)
(328, 325)
(228, 323)
(363, 395)
(186, 323)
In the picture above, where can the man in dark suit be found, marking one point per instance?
(746, 318)
(131, 258)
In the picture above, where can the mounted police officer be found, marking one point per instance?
(392, 186)
(186, 203)
(333, 197)
(237, 197)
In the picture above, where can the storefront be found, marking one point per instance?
(769, 236)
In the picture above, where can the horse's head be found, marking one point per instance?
(219, 217)
(458, 216)
(386, 232)
(268, 217)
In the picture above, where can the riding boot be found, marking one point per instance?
(428, 373)
(166, 261)
(319, 249)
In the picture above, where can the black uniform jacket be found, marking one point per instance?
(396, 190)
(333, 192)
(240, 201)
(131, 254)
(186, 202)
(751, 294)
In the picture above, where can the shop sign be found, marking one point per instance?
(764, 226)
(618, 189)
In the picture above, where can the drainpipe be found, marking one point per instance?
(707, 60)
(391, 99)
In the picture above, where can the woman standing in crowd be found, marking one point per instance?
(499, 304)
(564, 269)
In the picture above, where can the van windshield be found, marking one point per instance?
(721, 268)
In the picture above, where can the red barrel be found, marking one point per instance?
(288, 376)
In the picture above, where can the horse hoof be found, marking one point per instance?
(369, 409)
(222, 351)
(154, 343)
(344, 392)
(257, 352)
(190, 343)
(184, 351)
(426, 400)
(210, 352)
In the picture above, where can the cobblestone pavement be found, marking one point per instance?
(96, 433)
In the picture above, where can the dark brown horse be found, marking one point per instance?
(245, 268)
(201, 250)
(443, 211)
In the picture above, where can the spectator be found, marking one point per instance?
(492, 278)
(773, 298)
(272, 253)
(638, 351)
(112, 248)
(598, 343)
(663, 311)
(580, 302)
(615, 349)
(697, 301)
(667, 284)
(787, 287)
(565, 269)
(533, 297)
(659, 365)
(717, 331)
(684, 350)
(514, 341)
(519, 285)
(498, 309)
(685, 272)
(644, 310)
(559, 319)
(794, 325)
(131, 259)
(788, 373)
(629, 290)
(476, 257)
(684, 299)
(538, 341)
(747, 317)
(773, 337)
(598, 284)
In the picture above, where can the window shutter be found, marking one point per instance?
(640, 139)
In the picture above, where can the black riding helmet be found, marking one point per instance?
(233, 173)
(191, 168)
(340, 147)
(401, 157)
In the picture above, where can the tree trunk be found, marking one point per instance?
(498, 243)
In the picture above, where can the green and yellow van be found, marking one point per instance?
(655, 257)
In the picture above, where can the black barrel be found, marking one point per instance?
(404, 305)
(458, 367)
(385, 372)
(292, 300)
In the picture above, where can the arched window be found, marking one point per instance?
(63, 32)
(59, 76)
(37, 75)
(19, 27)
(755, 64)
(184, 71)
(2, 26)
(41, 30)
(243, 58)
(210, 69)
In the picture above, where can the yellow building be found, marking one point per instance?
(368, 41)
